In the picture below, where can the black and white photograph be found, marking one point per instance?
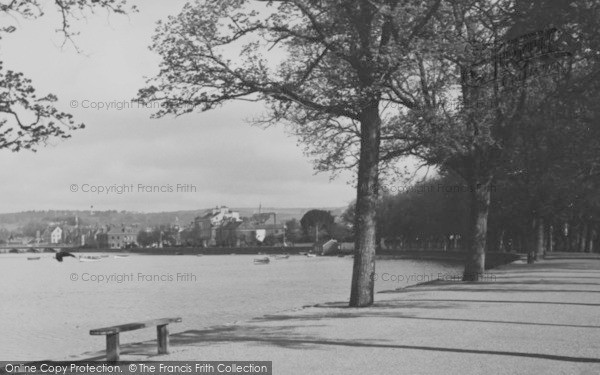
(274, 187)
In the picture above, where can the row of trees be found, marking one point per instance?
(363, 83)
(433, 214)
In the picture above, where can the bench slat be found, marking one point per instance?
(133, 326)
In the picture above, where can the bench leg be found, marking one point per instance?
(112, 347)
(162, 334)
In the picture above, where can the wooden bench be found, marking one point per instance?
(112, 335)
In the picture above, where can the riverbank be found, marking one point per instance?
(528, 319)
(492, 259)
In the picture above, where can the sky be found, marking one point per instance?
(215, 157)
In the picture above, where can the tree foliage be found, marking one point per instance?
(314, 221)
(28, 119)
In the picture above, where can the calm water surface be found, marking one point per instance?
(49, 307)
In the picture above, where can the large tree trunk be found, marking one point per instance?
(539, 238)
(568, 237)
(479, 210)
(501, 242)
(550, 238)
(582, 236)
(590, 239)
(366, 202)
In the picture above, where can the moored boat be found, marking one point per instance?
(264, 260)
(33, 258)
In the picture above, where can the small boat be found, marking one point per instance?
(90, 256)
(264, 260)
(121, 256)
(104, 256)
(89, 259)
(311, 255)
(33, 258)
(282, 256)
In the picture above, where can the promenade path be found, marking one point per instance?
(526, 319)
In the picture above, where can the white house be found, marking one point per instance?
(56, 235)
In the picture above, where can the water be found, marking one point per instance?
(47, 315)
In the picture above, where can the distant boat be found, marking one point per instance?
(33, 258)
(104, 256)
(282, 256)
(264, 260)
(311, 255)
(89, 259)
(121, 256)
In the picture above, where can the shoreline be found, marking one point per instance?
(493, 259)
(333, 275)
(539, 318)
(99, 355)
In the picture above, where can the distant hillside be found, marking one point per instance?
(14, 221)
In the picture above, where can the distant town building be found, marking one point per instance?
(53, 235)
(223, 227)
(206, 228)
(223, 214)
(121, 238)
(258, 229)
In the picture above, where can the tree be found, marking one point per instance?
(33, 228)
(27, 119)
(467, 62)
(549, 150)
(293, 231)
(430, 210)
(328, 65)
(145, 238)
(316, 220)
